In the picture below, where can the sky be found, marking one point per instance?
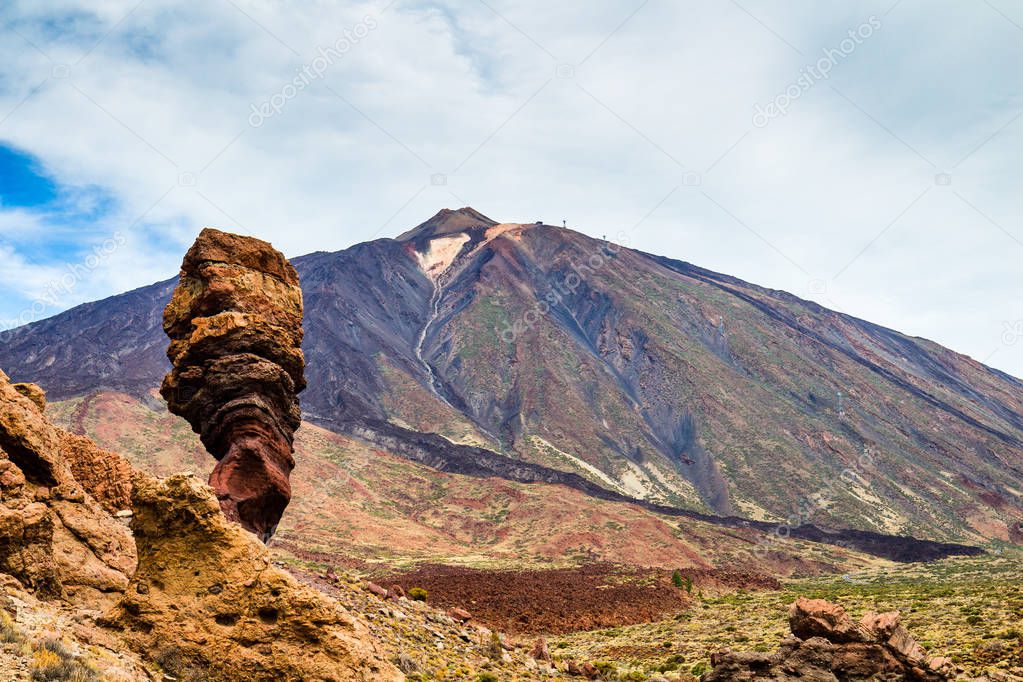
(865, 155)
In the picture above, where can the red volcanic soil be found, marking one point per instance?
(556, 601)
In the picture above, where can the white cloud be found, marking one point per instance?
(474, 93)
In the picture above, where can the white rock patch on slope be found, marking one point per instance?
(441, 253)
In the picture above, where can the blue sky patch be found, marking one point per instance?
(22, 182)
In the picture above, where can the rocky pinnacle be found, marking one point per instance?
(235, 326)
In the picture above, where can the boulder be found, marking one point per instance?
(827, 646)
(207, 593)
(540, 651)
(461, 615)
(379, 591)
(819, 618)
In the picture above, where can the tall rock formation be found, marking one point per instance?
(235, 325)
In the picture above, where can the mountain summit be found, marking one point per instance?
(648, 377)
(448, 222)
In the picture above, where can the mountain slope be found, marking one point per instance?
(356, 502)
(650, 377)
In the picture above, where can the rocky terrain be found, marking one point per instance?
(246, 619)
(966, 610)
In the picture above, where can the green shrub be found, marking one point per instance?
(495, 649)
(671, 664)
(418, 594)
(487, 677)
(676, 579)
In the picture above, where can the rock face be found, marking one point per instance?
(34, 393)
(206, 593)
(235, 325)
(106, 475)
(828, 646)
(55, 537)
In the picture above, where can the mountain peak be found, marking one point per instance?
(448, 221)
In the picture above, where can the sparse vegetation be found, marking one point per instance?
(52, 662)
(418, 594)
(967, 609)
(173, 663)
(495, 649)
(8, 629)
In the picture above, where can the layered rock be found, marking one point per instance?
(827, 646)
(235, 325)
(206, 593)
(55, 538)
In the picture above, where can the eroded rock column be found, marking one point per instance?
(235, 325)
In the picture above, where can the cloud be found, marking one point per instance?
(613, 117)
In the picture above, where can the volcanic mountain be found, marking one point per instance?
(532, 350)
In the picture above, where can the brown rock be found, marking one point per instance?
(207, 580)
(33, 393)
(54, 536)
(396, 592)
(819, 618)
(827, 646)
(540, 651)
(235, 325)
(106, 475)
(461, 615)
(373, 588)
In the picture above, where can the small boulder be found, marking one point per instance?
(819, 618)
(540, 651)
(460, 615)
(373, 588)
